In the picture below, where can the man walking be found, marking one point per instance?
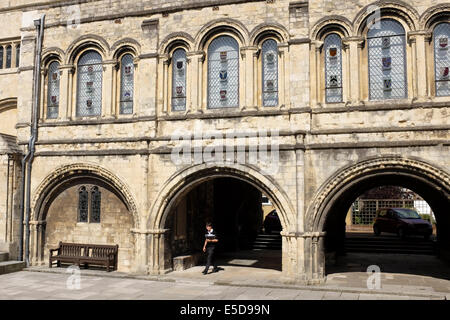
(209, 247)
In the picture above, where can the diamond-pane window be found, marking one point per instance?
(441, 36)
(179, 80)
(333, 68)
(17, 55)
(83, 205)
(90, 75)
(126, 84)
(270, 73)
(53, 90)
(387, 60)
(223, 73)
(8, 56)
(1, 57)
(96, 197)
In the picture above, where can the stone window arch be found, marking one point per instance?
(223, 73)
(53, 90)
(89, 84)
(333, 68)
(269, 63)
(126, 84)
(386, 45)
(179, 69)
(441, 35)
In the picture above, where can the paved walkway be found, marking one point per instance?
(41, 285)
(243, 277)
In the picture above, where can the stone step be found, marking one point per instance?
(4, 256)
(11, 266)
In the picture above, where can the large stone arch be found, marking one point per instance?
(353, 174)
(188, 177)
(43, 192)
(434, 15)
(331, 22)
(325, 216)
(87, 41)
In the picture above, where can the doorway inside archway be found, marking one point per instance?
(239, 214)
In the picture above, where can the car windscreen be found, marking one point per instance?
(407, 214)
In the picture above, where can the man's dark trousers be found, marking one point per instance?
(210, 259)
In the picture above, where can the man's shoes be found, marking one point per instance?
(216, 270)
(205, 272)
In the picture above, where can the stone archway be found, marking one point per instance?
(55, 215)
(338, 192)
(185, 180)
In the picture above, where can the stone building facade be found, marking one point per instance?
(356, 93)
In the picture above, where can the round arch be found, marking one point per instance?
(231, 26)
(47, 188)
(181, 39)
(348, 181)
(435, 15)
(266, 30)
(186, 179)
(87, 42)
(399, 10)
(330, 24)
(125, 45)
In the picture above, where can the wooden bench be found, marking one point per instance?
(86, 254)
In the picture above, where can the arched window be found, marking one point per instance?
(2, 51)
(17, 55)
(223, 73)
(89, 86)
(387, 60)
(96, 197)
(270, 73)
(442, 59)
(53, 90)
(179, 80)
(126, 84)
(83, 205)
(8, 57)
(333, 68)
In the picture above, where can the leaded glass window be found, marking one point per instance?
(126, 84)
(95, 205)
(90, 75)
(17, 55)
(179, 80)
(270, 73)
(333, 68)
(2, 51)
(442, 59)
(8, 57)
(53, 90)
(223, 73)
(387, 60)
(83, 205)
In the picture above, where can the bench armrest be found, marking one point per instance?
(53, 250)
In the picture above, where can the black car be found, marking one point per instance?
(402, 221)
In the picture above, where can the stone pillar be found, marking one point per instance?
(315, 74)
(355, 45)
(108, 107)
(140, 259)
(419, 55)
(165, 86)
(283, 75)
(160, 254)
(65, 92)
(195, 78)
(250, 66)
(43, 107)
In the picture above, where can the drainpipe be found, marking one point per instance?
(28, 159)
